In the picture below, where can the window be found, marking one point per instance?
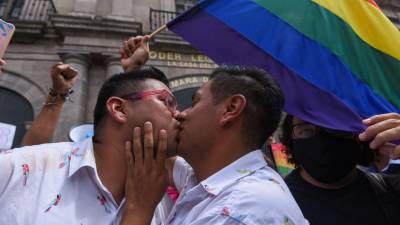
(183, 5)
(17, 8)
(2, 7)
(13, 11)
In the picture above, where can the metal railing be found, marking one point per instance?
(32, 10)
(160, 17)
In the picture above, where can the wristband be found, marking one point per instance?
(55, 97)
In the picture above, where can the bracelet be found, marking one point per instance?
(66, 95)
(55, 98)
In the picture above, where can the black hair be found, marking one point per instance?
(264, 99)
(365, 157)
(287, 138)
(123, 84)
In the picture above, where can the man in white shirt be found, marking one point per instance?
(226, 179)
(84, 183)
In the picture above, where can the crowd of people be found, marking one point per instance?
(210, 153)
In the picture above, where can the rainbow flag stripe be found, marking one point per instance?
(281, 160)
(336, 61)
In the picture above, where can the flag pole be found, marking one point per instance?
(159, 30)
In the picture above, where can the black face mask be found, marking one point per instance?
(325, 157)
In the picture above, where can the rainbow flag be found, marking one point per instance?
(281, 160)
(337, 61)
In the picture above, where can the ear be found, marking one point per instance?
(233, 108)
(116, 109)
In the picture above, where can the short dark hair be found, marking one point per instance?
(264, 98)
(365, 157)
(122, 84)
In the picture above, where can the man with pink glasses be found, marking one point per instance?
(84, 183)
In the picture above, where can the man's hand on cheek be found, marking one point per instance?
(146, 178)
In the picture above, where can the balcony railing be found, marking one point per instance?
(31, 10)
(160, 17)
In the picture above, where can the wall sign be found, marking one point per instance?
(187, 82)
(175, 59)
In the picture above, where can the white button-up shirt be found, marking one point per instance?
(247, 191)
(58, 184)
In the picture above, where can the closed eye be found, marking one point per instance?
(195, 98)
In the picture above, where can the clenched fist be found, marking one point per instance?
(63, 77)
(134, 53)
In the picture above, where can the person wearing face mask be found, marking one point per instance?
(327, 184)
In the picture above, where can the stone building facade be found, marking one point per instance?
(87, 34)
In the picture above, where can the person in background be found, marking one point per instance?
(63, 78)
(327, 184)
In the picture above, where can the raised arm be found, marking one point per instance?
(42, 129)
(134, 53)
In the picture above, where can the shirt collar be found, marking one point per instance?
(81, 155)
(240, 168)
